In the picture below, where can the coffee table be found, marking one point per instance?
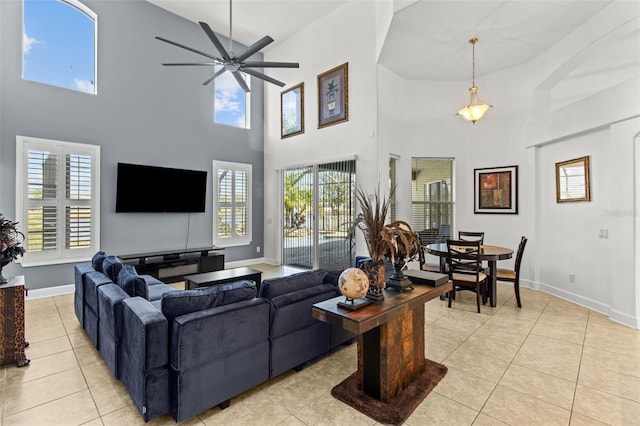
(224, 276)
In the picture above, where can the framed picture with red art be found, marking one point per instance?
(496, 190)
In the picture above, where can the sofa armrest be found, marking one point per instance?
(110, 297)
(145, 336)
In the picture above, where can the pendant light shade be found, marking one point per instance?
(475, 109)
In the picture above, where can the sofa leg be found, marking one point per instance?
(298, 368)
(224, 404)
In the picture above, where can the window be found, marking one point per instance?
(232, 105)
(432, 198)
(393, 183)
(232, 204)
(57, 200)
(59, 44)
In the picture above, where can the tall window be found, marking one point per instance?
(232, 204)
(393, 183)
(232, 105)
(59, 42)
(57, 200)
(432, 198)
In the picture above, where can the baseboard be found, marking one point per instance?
(240, 263)
(39, 293)
(594, 305)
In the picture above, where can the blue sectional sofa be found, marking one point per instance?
(184, 351)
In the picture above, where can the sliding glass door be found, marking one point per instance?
(318, 211)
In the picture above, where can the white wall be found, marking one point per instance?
(345, 35)
(526, 128)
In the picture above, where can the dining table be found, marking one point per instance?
(490, 254)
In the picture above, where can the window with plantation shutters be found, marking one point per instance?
(57, 200)
(232, 204)
(432, 201)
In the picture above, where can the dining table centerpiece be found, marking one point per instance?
(10, 244)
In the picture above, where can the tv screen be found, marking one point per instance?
(149, 189)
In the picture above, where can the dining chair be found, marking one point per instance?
(465, 269)
(513, 275)
(471, 236)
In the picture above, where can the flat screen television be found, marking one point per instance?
(151, 189)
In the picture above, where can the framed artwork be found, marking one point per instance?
(292, 111)
(496, 190)
(572, 180)
(333, 96)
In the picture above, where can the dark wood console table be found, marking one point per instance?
(12, 341)
(172, 266)
(390, 337)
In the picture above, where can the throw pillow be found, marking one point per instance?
(97, 259)
(111, 266)
(132, 283)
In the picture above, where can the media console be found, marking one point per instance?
(171, 266)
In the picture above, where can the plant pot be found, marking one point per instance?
(375, 272)
(3, 263)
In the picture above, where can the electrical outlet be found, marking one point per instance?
(258, 249)
(604, 233)
(572, 278)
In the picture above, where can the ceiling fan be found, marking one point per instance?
(231, 62)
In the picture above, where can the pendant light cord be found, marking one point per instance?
(473, 42)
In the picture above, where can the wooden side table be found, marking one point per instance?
(390, 337)
(12, 342)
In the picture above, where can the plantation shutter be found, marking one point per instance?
(59, 183)
(232, 204)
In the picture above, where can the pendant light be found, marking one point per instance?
(475, 109)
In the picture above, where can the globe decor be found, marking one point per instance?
(353, 284)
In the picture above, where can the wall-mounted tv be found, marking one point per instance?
(150, 189)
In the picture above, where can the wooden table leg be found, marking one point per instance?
(492, 283)
(391, 355)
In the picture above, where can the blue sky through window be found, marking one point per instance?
(230, 101)
(58, 45)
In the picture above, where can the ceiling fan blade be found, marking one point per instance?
(190, 63)
(214, 76)
(262, 76)
(264, 41)
(214, 39)
(188, 48)
(252, 64)
(241, 81)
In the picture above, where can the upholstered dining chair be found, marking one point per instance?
(513, 275)
(465, 269)
(471, 236)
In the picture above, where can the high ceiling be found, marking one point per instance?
(427, 39)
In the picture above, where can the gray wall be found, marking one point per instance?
(143, 113)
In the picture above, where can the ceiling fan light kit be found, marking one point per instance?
(229, 61)
(475, 109)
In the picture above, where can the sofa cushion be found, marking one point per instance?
(111, 266)
(178, 303)
(97, 259)
(293, 311)
(132, 283)
(275, 287)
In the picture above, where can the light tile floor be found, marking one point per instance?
(551, 362)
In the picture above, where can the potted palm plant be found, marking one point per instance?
(10, 243)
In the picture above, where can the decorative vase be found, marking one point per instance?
(375, 272)
(3, 262)
(398, 280)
